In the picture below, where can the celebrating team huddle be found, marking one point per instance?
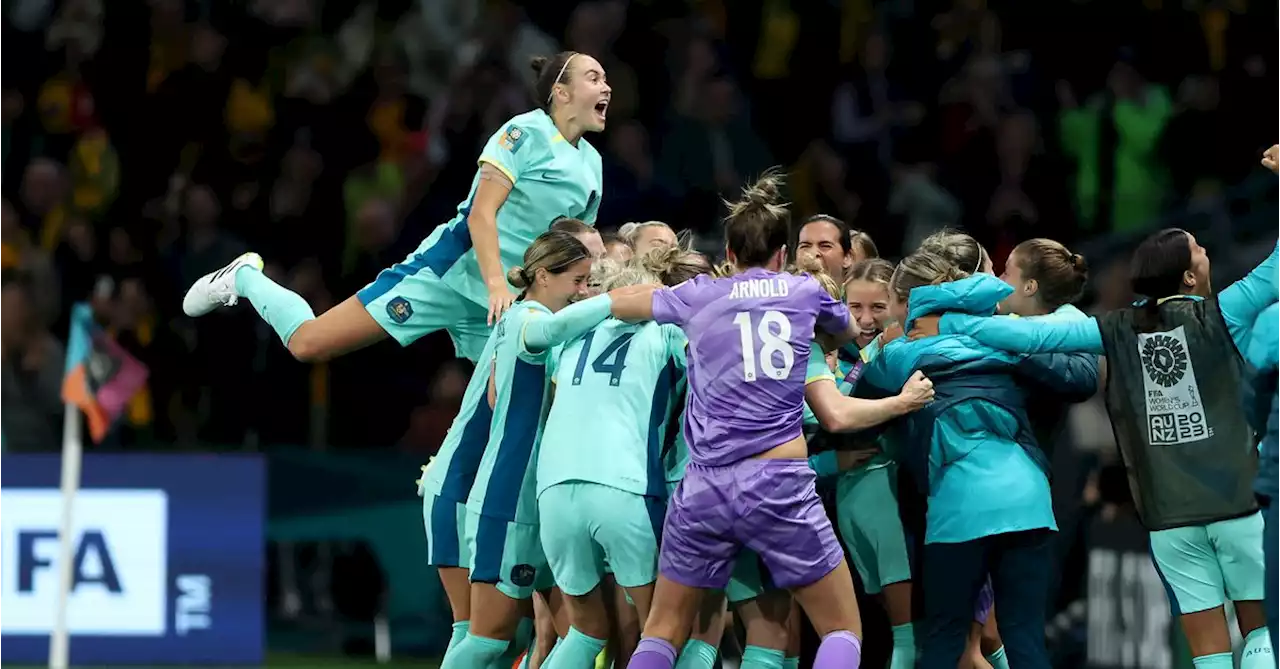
(640, 442)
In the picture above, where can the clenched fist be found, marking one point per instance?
(1271, 158)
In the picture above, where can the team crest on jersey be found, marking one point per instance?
(399, 310)
(522, 575)
(512, 138)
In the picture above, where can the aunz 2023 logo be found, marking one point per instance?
(120, 583)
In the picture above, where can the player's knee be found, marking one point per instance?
(306, 348)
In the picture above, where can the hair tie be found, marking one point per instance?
(552, 92)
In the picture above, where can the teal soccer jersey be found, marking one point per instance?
(503, 486)
(454, 467)
(551, 178)
(439, 286)
(614, 396)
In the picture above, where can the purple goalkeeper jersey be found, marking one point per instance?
(749, 337)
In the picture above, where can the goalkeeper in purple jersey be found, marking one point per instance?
(749, 484)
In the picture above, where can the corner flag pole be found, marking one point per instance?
(72, 450)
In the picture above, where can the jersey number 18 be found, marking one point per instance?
(770, 344)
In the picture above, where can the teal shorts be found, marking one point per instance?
(1206, 565)
(867, 515)
(507, 554)
(410, 300)
(748, 578)
(583, 525)
(445, 521)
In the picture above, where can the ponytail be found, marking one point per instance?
(1156, 271)
(759, 223)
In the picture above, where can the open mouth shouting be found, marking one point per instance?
(602, 109)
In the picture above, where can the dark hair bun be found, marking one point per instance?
(1079, 264)
(538, 63)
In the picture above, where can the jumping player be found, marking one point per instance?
(535, 170)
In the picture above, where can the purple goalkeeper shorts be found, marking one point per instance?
(986, 600)
(769, 506)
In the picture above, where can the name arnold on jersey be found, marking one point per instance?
(756, 288)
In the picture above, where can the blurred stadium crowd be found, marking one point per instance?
(146, 143)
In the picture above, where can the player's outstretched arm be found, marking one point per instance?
(571, 322)
(490, 195)
(633, 303)
(1242, 301)
(1016, 335)
(837, 413)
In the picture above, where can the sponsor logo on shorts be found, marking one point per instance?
(399, 310)
(522, 575)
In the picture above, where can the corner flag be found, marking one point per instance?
(101, 377)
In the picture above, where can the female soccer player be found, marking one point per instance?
(643, 237)
(447, 479)
(534, 170)
(1183, 433)
(960, 250)
(770, 617)
(1047, 278)
(866, 489)
(500, 525)
(1052, 276)
(973, 454)
(749, 483)
(830, 239)
(603, 498)
(965, 252)
(968, 255)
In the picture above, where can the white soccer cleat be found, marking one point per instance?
(218, 289)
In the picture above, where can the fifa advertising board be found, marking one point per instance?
(168, 559)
